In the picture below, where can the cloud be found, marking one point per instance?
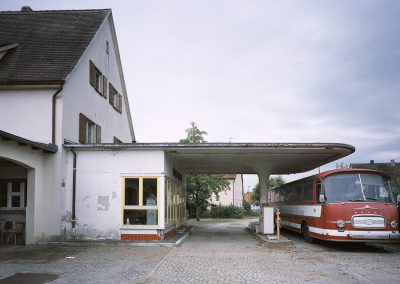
(291, 71)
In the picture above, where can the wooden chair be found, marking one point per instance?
(6, 230)
(9, 233)
(19, 231)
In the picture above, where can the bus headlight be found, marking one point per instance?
(340, 224)
(394, 225)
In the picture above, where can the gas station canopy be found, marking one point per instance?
(244, 158)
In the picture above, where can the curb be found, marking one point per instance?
(117, 243)
(264, 239)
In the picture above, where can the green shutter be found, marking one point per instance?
(82, 128)
(98, 134)
(105, 85)
(111, 94)
(120, 103)
(92, 73)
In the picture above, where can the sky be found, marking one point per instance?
(260, 71)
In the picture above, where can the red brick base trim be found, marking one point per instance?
(140, 237)
(170, 234)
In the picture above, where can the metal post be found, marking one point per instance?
(278, 223)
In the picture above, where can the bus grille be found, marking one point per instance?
(368, 222)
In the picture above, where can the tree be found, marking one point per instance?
(199, 188)
(194, 135)
(341, 166)
(272, 183)
(395, 183)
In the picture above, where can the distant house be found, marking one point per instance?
(233, 195)
(247, 196)
(392, 169)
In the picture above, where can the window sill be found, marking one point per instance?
(12, 211)
(116, 109)
(144, 207)
(98, 92)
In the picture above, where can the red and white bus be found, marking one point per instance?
(339, 205)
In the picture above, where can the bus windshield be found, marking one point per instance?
(356, 188)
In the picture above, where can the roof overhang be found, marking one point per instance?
(17, 85)
(47, 148)
(245, 158)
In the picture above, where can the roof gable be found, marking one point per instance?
(50, 43)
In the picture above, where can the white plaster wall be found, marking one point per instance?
(27, 113)
(238, 188)
(169, 168)
(233, 195)
(99, 188)
(42, 220)
(225, 197)
(80, 97)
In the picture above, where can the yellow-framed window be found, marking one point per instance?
(175, 202)
(141, 199)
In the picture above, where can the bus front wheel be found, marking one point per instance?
(306, 233)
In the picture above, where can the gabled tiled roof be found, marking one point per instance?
(50, 43)
(392, 169)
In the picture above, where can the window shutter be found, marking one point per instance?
(105, 85)
(120, 103)
(111, 94)
(82, 128)
(92, 73)
(98, 134)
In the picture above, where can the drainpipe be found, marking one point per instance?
(53, 115)
(73, 194)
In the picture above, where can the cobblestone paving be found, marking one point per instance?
(216, 252)
(226, 253)
(82, 264)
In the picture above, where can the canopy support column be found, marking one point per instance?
(263, 178)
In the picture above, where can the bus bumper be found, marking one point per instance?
(348, 235)
(371, 235)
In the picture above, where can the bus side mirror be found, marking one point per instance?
(322, 198)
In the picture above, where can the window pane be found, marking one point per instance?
(16, 186)
(308, 191)
(140, 217)
(3, 194)
(150, 191)
(91, 132)
(15, 201)
(132, 191)
(343, 187)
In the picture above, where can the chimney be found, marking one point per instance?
(392, 163)
(26, 9)
(371, 163)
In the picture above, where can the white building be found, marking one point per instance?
(69, 164)
(233, 195)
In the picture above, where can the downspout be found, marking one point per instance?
(53, 115)
(73, 194)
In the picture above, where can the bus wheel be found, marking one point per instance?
(306, 233)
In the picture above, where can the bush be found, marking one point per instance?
(226, 212)
(246, 207)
